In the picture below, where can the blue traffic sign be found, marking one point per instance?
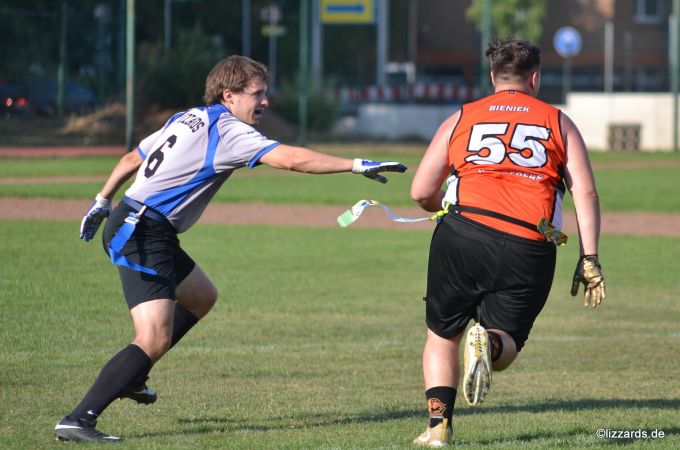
(347, 12)
(567, 42)
(355, 8)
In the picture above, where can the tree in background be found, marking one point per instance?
(522, 19)
(178, 78)
(323, 109)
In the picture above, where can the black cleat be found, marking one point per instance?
(81, 430)
(141, 394)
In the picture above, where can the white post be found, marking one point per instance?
(273, 50)
(609, 56)
(317, 46)
(381, 51)
(627, 61)
(413, 31)
(167, 31)
(674, 35)
(245, 28)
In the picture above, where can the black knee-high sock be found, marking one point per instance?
(440, 403)
(125, 366)
(183, 321)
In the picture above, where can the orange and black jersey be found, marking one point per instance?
(507, 156)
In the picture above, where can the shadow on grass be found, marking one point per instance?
(215, 424)
(223, 425)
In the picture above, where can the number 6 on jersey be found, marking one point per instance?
(157, 156)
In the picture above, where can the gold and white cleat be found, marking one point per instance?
(438, 436)
(477, 378)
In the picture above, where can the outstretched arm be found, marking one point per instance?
(301, 159)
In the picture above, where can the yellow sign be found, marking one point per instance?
(273, 30)
(347, 12)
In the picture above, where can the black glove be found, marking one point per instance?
(589, 272)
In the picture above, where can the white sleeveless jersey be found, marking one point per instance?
(186, 161)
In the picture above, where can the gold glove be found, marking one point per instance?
(589, 272)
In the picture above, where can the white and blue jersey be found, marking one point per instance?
(186, 161)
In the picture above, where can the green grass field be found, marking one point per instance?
(626, 181)
(317, 338)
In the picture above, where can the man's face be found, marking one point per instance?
(249, 104)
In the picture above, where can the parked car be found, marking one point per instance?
(39, 96)
(12, 102)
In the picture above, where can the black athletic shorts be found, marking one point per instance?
(473, 266)
(153, 244)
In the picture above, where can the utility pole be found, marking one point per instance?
(675, 71)
(273, 18)
(317, 47)
(304, 69)
(486, 37)
(61, 71)
(167, 29)
(130, 76)
(413, 31)
(609, 56)
(120, 57)
(245, 28)
(381, 50)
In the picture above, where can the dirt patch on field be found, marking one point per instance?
(640, 224)
(298, 215)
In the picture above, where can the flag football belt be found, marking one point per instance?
(496, 215)
(544, 227)
(125, 231)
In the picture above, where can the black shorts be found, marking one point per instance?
(473, 266)
(153, 244)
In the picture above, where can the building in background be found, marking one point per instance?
(619, 85)
(429, 51)
(443, 47)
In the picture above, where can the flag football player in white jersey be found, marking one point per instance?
(178, 170)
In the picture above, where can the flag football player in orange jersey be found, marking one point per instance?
(506, 162)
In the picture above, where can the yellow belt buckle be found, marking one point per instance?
(439, 215)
